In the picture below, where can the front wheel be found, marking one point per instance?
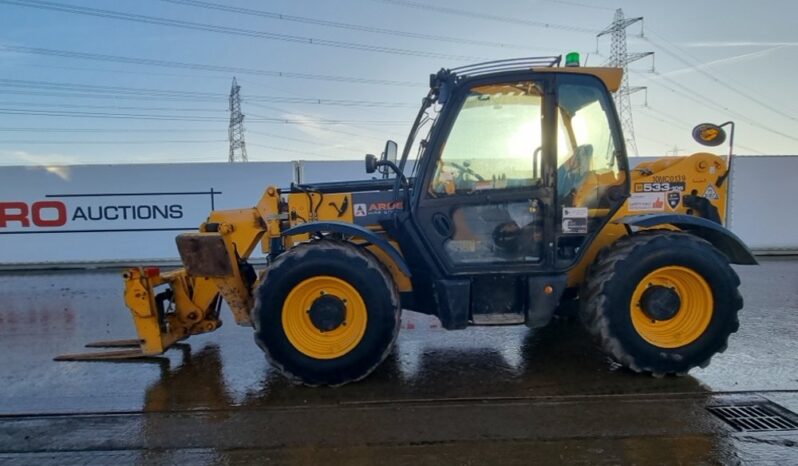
(326, 313)
(661, 302)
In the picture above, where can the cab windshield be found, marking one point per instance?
(495, 142)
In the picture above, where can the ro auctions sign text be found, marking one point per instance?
(105, 212)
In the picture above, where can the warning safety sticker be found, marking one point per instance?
(646, 201)
(574, 220)
(711, 193)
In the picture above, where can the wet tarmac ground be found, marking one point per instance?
(485, 395)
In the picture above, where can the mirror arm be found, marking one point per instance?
(401, 180)
(723, 177)
(395, 168)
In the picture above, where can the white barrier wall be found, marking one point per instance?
(764, 206)
(97, 213)
(131, 213)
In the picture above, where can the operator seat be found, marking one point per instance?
(572, 173)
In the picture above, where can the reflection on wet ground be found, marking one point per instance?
(547, 390)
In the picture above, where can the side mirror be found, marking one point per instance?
(708, 134)
(388, 155)
(391, 149)
(371, 163)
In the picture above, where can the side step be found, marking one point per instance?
(512, 318)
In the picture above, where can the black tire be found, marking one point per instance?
(618, 270)
(344, 261)
(569, 305)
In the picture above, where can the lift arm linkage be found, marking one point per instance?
(171, 306)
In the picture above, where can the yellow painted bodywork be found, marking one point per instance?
(311, 207)
(303, 334)
(195, 302)
(402, 281)
(195, 298)
(691, 320)
(696, 171)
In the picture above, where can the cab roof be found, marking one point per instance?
(551, 64)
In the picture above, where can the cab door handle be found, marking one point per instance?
(442, 225)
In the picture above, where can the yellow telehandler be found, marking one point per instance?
(520, 200)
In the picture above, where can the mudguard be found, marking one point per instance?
(723, 239)
(352, 230)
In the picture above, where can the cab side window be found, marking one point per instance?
(586, 149)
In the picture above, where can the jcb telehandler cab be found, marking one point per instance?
(520, 199)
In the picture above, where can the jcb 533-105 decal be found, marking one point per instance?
(659, 187)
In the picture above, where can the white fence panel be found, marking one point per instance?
(764, 205)
(119, 213)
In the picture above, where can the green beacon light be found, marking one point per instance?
(572, 59)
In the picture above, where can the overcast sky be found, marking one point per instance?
(147, 80)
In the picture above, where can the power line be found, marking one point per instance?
(104, 130)
(163, 94)
(288, 138)
(80, 95)
(698, 66)
(56, 160)
(294, 151)
(678, 123)
(326, 121)
(321, 101)
(252, 100)
(204, 67)
(348, 26)
(122, 71)
(105, 92)
(658, 141)
(134, 116)
(51, 85)
(112, 107)
(361, 134)
(235, 31)
(689, 94)
(583, 5)
(310, 140)
(124, 116)
(147, 141)
(488, 16)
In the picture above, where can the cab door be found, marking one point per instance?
(591, 165)
(487, 179)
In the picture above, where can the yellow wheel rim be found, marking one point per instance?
(694, 313)
(305, 336)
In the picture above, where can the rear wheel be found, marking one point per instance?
(326, 313)
(661, 302)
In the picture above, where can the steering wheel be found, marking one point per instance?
(465, 170)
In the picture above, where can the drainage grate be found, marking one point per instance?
(756, 417)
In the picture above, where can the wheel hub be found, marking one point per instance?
(660, 302)
(327, 313)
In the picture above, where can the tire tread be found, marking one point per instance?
(596, 305)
